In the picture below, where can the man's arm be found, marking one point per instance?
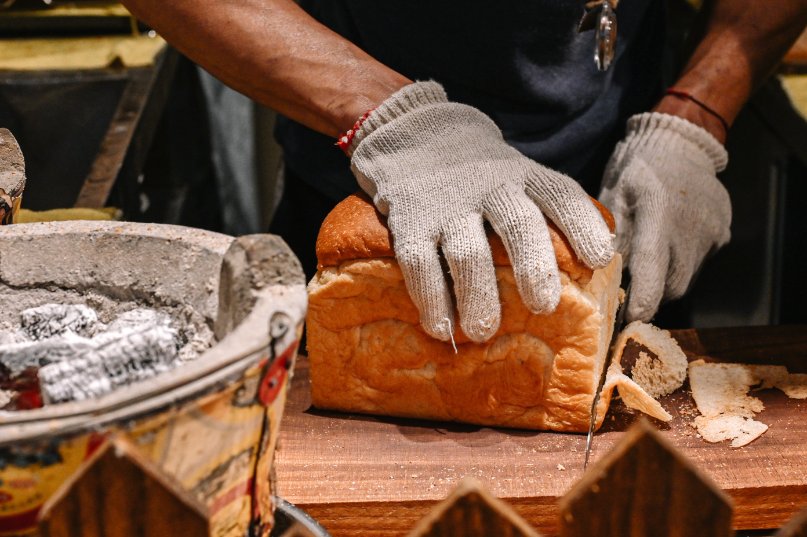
(661, 182)
(743, 42)
(275, 53)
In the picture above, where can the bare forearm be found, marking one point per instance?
(744, 40)
(274, 52)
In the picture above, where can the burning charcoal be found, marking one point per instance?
(57, 319)
(63, 364)
(16, 358)
(20, 363)
(6, 396)
(21, 392)
(139, 353)
(28, 399)
(119, 358)
(74, 380)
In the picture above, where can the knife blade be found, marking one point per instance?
(619, 324)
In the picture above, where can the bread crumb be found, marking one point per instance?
(561, 467)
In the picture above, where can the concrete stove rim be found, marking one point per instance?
(237, 351)
(208, 240)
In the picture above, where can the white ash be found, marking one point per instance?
(78, 356)
(10, 336)
(193, 326)
(18, 357)
(57, 319)
(117, 358)
(138, 317)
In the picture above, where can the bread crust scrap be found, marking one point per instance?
(721, 393)
(666, 370)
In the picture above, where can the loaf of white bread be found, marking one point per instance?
(368, 353)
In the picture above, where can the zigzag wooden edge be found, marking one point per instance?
(644, 486)
(491, 517)
(75, 505)
(796, 527)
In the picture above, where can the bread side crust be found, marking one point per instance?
(369, 354)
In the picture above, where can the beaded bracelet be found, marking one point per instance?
(686, 95)
(344, 140)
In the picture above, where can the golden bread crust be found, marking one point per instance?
(356, 230)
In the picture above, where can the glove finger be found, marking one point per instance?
(564, 202)
(425, 281)
(649, 264)
(522, 228)
(623, 238)
(685, 262)
(466, 249)
(610, 177)
(705, 235)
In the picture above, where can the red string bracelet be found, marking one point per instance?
(686, 95)
(344, 140)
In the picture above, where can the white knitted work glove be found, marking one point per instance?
(670, 208)
(440, 169)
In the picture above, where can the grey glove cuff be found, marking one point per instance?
(406, 99)
(643, 129)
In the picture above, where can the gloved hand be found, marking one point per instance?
(439, 169)
(670, 208)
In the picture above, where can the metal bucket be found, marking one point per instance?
(212, 424)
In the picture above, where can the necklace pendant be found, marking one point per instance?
(605, 37)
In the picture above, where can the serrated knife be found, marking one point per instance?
(619, 324)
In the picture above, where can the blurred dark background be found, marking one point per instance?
(200, 154)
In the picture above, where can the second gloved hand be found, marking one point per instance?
(670, 208)
(440, 169)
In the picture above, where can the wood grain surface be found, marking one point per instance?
(797, 527)
(373, 476)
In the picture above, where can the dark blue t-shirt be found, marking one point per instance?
(521, 62)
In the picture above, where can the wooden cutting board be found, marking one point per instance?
(369, 476)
